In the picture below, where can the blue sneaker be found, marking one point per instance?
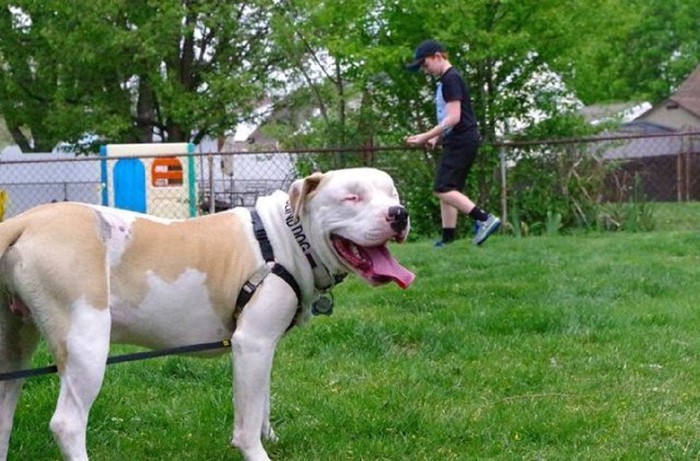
(485, 228)
(438, 244)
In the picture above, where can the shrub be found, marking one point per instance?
(555, 187)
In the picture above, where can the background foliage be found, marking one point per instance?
(329, 73)
(122, 70)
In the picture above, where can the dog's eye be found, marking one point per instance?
(351, 198)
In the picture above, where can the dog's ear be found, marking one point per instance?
(300, 189)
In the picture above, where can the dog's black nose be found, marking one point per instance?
(398, 216)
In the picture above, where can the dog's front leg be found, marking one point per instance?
(260, 326)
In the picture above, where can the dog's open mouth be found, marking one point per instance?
(374, 264)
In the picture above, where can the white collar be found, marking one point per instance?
(324, 281)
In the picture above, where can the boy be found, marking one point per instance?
(458, 129)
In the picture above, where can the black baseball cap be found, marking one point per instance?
(425, 49)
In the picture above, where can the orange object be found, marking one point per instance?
(166, 172)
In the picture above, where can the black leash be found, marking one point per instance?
(122, 358)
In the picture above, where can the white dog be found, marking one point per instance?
(83, 275)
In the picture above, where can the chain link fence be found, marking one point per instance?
(573, 177)
(562, 173)
(667, 164)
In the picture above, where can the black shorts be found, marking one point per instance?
(455, 163)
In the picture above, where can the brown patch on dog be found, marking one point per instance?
(210, 244)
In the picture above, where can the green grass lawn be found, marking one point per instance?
(582, 347)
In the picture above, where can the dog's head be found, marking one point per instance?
(355, 212)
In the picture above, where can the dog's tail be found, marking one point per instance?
(10, 231)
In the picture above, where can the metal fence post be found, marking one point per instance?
(212, 202)
(504, 185)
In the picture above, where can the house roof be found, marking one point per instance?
(688, 95)
(638, 126)
(625, 111)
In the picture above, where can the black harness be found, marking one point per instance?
(323, 279)
(271, 266)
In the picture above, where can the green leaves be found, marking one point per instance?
(127, 70)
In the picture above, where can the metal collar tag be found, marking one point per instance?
(323, 305)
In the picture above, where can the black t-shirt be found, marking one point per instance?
(454, 89)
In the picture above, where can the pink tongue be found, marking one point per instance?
(385, 266)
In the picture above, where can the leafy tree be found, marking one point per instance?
(643, 50)
(129, 71)
(662, 49)
(179, 70)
